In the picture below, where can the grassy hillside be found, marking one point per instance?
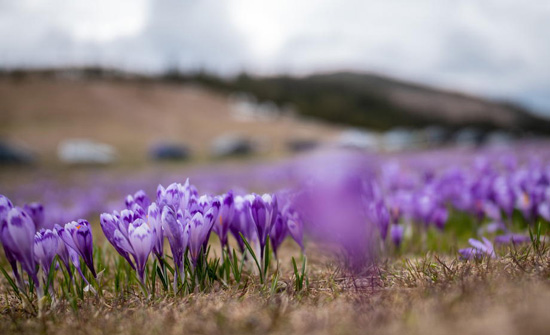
(379, 102)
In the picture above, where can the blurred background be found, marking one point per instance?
(131, 84)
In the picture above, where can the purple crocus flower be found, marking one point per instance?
(177, 235)
(504, 194)
(36, 212)
(493, 227)
(17, 235)
(278, 233)
(141, 240)
(131, 235)
(439, 217)
(512, 238)
(492, 211)
(544, 210)
(396, 234)
(225, 217)
(154, 221)
(78, 236)
(67, 255)
(116, 232)
(199, 227)
(140, 198)
(263, 212)
(478, 250)
(425, 205)
(139, 212)
(379, 215)
(169, 196)
(45, 248)
(176, 195)
(203, 205)
(294, 224)
(242, 222)
(5, 207)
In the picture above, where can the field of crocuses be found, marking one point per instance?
(337, 241)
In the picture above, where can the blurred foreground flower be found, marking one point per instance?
(478, 250)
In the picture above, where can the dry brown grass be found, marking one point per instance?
(424, 295)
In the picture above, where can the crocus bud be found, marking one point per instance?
(18, 236)
(78, 236)
(142, 239)
(199, 227)
(45, 248)
(263, 212)
(225, 217)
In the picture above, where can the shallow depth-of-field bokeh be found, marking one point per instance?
(274, 167)
(372, 238)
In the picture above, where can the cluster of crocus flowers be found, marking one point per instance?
(491, 190)
(187, 219)
(27, 244)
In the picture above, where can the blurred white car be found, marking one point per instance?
(85, 151)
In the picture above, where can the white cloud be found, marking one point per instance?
(493, 47)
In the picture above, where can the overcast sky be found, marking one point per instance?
(497, 48)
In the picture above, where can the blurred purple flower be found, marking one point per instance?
(512, 238)
(379, 215)
(278, 233)
(396, 234)
(36, 212)
(294, 224)
(478, 250)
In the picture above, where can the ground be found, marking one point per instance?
(427, 294)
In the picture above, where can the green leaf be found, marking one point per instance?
(10, 281)
(254, 257)
(267, 256)
(51, 275)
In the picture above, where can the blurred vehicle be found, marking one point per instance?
(436, 135)
(10, 154)
(169, 152)
(469, 137)
(399, 139)
(301, 145)
(85, 151)
(359, 139)
(231, 145)
(499, 138)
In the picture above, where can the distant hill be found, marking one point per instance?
(379, 102)
(349, 98)
(38, 110)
